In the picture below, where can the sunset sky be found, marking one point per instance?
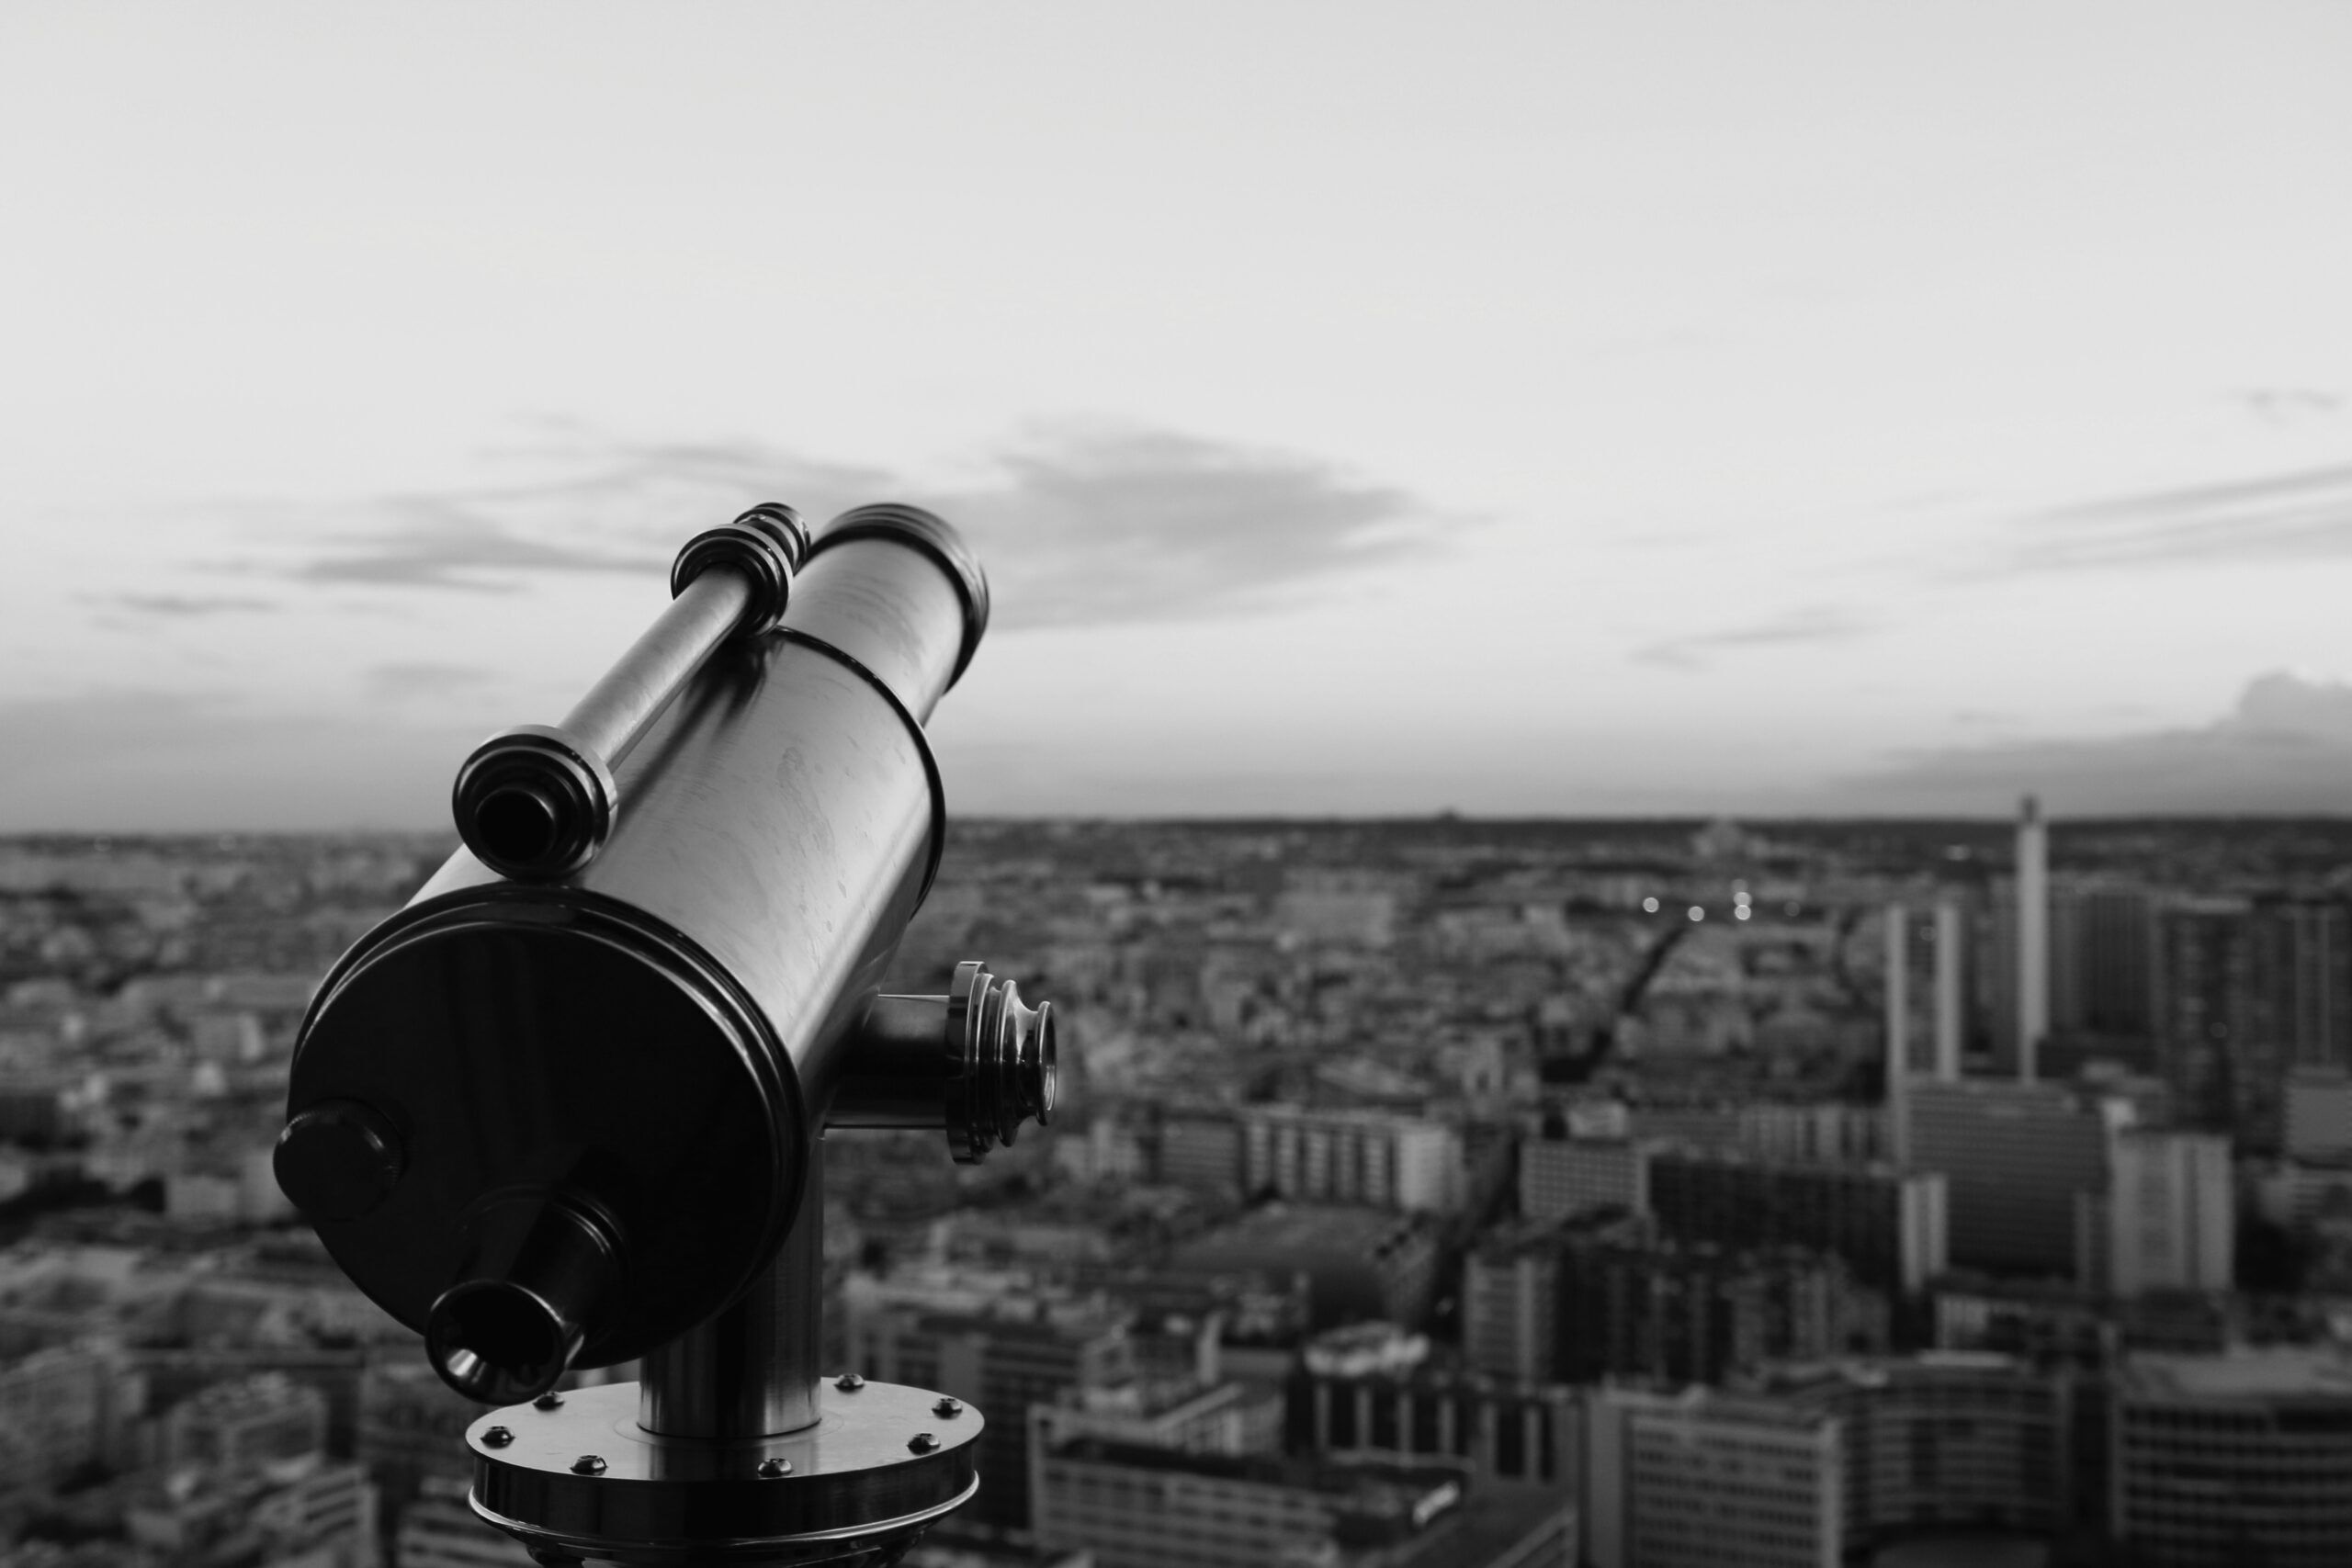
(1519, 409)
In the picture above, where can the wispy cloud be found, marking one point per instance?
(1077, 526)
(1818, 623)
(425, 679)
(2305, 516)
(180, 605)
(2287, 747)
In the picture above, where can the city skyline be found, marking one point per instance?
(1680, 413)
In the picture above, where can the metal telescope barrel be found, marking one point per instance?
(561, 1109)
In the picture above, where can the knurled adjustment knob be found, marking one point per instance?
(338, 1159)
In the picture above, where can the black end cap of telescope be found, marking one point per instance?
(935, 536)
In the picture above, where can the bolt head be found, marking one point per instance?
(849, 1382)
(921, 1443)
(548, 1401)
(770, 1468)
(496, 1438)
(588, 1464)
(948, 1408)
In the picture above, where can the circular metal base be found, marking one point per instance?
(582, 1481)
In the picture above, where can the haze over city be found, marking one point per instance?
(1686, 409)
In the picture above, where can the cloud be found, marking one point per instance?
(2305, 516)
(1819, 623)
(1078, 527)
(1147, 526)
(180, 605)
(2287, 747)
(428, 681)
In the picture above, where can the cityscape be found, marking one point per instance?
(1430, 1191)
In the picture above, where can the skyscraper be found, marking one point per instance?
(2033, 936)
(2014, 1157)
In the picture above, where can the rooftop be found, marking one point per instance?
(2268, 1373)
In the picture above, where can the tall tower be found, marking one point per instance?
(1949, 1014)
(1898, 1032)
(2033, 935)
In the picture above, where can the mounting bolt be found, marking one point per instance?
(921, 1443)
(588, 1464)
(849, 1382)
(770, 1468)
(548, 1401)
(496, 1436)
(948, 1408)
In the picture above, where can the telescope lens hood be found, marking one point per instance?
(539, 1270)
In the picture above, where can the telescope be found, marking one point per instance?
(564, 1109)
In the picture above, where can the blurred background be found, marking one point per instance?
(1537, 551)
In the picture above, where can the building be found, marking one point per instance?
(1134, 1506)
(2033, 936)
(2168, 1220)
(440, 1530)
(1889, 1225)
(1695, 1312)
(1710, 1480)
(1824, 1132)
(65, 1408)
(2204, 1005)
(1944, 1441)
(1201, 1151)
(1373, 1158)
(411, 1432)
(1560, 1178)
(1371, 1392)
(2014, 1159)
(1511, 1291)
(1003, 1364)
(1359, 1263)
(2230, 1459)
(242, 1424)
(2318, 1115)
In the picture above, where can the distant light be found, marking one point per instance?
(1740, 913)
(1697, 913)
(1740, 897)
(1649, 906)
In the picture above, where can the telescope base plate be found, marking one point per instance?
(581, 1482)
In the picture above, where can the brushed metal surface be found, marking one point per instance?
(853, 1474)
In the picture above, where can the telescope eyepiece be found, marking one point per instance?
(521, 1307)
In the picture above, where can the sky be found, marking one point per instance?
(1361, 408)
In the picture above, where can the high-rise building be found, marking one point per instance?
(2318, 1115)
(2014, 1159)
(1944, 1441)
(1705, 1479)
(1560, 1178)
(2230, 1459)
(1889, 1225)
(1375, 1158)
(2204, 1005)
(2033, 936)
(1685, 1312)
(2101, 937)
(1510, 1290)
(2169, 1218)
